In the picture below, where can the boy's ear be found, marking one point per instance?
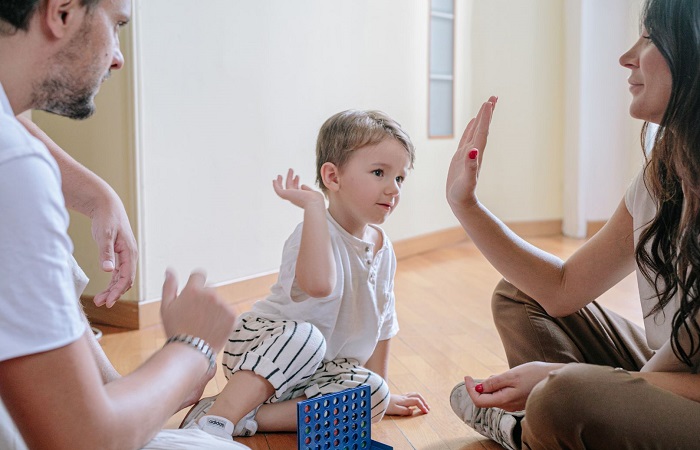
(60, 16)
(330, 176)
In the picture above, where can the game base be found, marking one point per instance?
(339, 421)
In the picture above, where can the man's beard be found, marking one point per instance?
(62, 96)
(68, 89)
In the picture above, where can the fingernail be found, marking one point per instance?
(473, 154)
(479, 388)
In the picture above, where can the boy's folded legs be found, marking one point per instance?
(233, 410)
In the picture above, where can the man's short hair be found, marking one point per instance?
(16, 14)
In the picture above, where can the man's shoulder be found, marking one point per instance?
(16, 142)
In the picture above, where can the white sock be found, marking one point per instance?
(217, 426)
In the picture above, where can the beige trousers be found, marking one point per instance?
(595, 404)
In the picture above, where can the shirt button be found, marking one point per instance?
(369, 262)
(366, 249)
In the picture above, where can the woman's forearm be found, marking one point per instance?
(535, 271)
(685, 384)
(562, 288)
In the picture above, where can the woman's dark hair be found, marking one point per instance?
(17, 13)
(668, 251)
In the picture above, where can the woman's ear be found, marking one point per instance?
(330, 176)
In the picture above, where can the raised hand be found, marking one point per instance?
(466, 162)
(301, 196)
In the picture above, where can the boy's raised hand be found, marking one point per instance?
(301, 196)
(466, 162)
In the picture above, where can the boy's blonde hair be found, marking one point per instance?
(352, 129)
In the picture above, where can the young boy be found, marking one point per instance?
(328, 321)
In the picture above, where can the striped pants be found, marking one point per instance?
(289, 355)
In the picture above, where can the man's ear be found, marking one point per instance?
(60, 16)
(330, 176)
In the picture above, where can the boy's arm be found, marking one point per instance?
(379, 361)
(399, 405)
(315, 269)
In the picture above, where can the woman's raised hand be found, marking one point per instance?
(299, 195)
(466, 162)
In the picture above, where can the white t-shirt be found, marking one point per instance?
(641, 206)
(359, 312)
(38, 308)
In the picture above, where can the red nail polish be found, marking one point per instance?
(473, 154)
(479, 388)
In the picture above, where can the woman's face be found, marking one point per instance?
(650, 81)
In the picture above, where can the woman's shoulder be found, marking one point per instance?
(637, 195)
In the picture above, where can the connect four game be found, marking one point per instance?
(339, 421)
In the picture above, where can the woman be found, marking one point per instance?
(631, 388)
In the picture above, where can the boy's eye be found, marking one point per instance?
(378, 172)
(399, 179)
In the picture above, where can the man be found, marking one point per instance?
(54, 55)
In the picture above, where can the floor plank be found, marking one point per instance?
(447, 331)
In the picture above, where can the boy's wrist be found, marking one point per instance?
(317, 205)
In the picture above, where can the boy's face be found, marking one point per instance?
(371, 180)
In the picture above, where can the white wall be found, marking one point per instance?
(517, 54)
(237, 95)
(602, 151)
(226, 94)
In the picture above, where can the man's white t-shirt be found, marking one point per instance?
(38, 306)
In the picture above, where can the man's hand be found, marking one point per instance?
(117, 247)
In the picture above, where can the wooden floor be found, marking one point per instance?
(443, 303)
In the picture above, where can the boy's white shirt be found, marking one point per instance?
(361, 309)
